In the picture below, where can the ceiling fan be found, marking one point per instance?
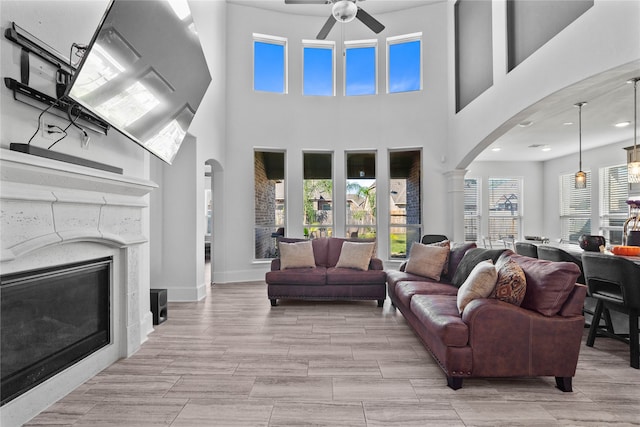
(343, 11)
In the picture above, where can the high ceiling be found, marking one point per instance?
(552, 122)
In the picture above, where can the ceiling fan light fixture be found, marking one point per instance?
(344, 11)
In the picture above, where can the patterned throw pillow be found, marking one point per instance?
(479, 284)
(511, 284)
(427, 260)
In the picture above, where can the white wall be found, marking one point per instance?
(604, 37)
(532, 201)
(592, 160)
(296, 123)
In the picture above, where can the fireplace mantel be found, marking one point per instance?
(53, 213)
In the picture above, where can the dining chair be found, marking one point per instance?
(433, 238)
(614, 282)
(526, 249)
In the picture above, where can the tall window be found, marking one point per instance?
(575, 208)
(269, 201)
(404, 63)
(360, 68)
(614, 192)
(471, 209)
(361, 195)
(504, 208)
(405, 201)
(318, 195)
(269, 63)
(319, 68)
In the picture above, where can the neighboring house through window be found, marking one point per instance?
(318, 194)
(471, 209)
(505, 203)
(361, 195)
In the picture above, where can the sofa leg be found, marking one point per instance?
(380, 302)
(274, 302)
(564, 384)
(454, 382)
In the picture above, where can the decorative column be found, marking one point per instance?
(455, 203)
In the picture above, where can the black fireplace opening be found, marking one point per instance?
(50, 319)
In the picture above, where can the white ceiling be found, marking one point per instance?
(609, 100)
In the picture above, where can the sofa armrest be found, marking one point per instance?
(508, 340)
(375, 264)
(575, 302)
(275, 264)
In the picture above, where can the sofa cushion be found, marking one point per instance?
(308, 276)
(296, 255)
(455, 256)
(406, 290)
(479, 284)
(355, 255)
(470, 259)
(321, 251)
(439, 315)
(427, 260)
(549, 283)
(350, 276)
(511, 284)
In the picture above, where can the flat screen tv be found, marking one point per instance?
(144, 73)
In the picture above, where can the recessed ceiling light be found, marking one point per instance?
(496, 149)
(567, 123)
(622, 124)
(546, 148)
(525, 124)
(536, 145)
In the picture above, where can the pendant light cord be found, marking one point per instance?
(635, 119)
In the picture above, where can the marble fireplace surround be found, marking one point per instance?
(54, 213)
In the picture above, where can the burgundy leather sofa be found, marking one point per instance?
(325, 281)
(493, 338)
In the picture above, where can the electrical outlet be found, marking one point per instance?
(50, 131)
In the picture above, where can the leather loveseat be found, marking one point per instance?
(494, 338)
(324, 279)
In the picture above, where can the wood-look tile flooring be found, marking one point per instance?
(233, 360)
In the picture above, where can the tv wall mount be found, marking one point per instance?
(22, 92)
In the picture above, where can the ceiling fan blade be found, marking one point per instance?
(306, 2)
(369, 21)
(324, 32)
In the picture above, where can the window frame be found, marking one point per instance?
(518, 216)
(606, 216)
(566, 181)
(406, 225)
(355, 44)
(477, 217)
(348, 225)
(276, 40)
(320, 44)
(406, 38)
(275, 224)
(332, 225)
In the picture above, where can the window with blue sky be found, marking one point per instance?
(269, 64)
(318, 68)
(404, 67)
(360, 68)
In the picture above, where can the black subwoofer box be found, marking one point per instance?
(159, 305)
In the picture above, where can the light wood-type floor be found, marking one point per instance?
(233, 360)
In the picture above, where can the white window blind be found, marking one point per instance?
(504, 208)
(614, 192)
(471, 209)
(575, 208)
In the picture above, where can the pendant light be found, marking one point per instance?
(581, 176)
(633, 167)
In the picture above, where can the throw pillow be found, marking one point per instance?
(470, 259)
(511, 284)
(427, 260)
(479, 284)
(296, 255)
(444, 244)
(549, 283)
(355, 255)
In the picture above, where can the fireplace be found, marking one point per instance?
(50, 319)
(54, 217)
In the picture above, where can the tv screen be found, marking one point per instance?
(144, 73)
